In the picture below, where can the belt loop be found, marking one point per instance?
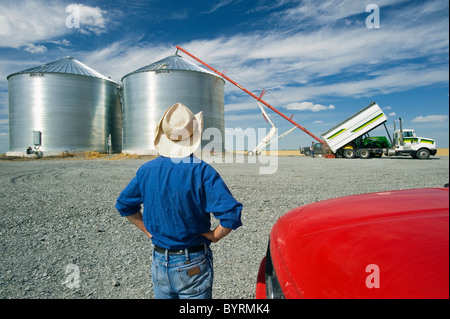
(186, 252)
(166, 255)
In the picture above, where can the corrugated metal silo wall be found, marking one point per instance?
(148, 94)
(73, 112)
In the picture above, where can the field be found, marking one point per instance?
(58, 221)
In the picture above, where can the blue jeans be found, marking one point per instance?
(188, 276)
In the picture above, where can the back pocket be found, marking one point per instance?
(196, 277)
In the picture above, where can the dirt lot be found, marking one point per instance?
(58, 218)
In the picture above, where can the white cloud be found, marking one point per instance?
(222, 3)
(384, 84)
(392, 114)
(366, 59)
(125, 56)
(309, 106)
(302, 59)
(32, 48)
(25, 23)
(92, 19)
(63, 42)
(431, 119)
(326, 12)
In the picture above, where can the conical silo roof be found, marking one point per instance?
(172, 63)
(66, 65)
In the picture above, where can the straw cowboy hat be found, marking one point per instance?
(179, 132)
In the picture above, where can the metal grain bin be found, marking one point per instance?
(65, 106)
(150, 90)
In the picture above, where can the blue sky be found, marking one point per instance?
(318, 59)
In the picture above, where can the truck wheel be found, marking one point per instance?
(307, 153)
(349, 153)
(423, 153)
(364, 153)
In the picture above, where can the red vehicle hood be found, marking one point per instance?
(341, 248)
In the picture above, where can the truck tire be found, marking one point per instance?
(307, 153)
(423, 153)
(364, 153)
(349, 153)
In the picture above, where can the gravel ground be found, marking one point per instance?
(58, 219)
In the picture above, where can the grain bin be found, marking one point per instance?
(150, 90)
(65, 106)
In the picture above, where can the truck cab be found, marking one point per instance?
(406, 140)
(407, 143)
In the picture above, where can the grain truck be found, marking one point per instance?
(351, 138)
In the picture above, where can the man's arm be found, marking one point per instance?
(217, 234)
(136, 219)
(222, 204)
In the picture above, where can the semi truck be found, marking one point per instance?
(350, 138)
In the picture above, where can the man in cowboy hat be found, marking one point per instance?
(178, 192)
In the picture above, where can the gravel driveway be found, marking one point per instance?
(61, 236)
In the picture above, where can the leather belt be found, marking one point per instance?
(179, 251)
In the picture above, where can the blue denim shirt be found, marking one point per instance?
(178, 196)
